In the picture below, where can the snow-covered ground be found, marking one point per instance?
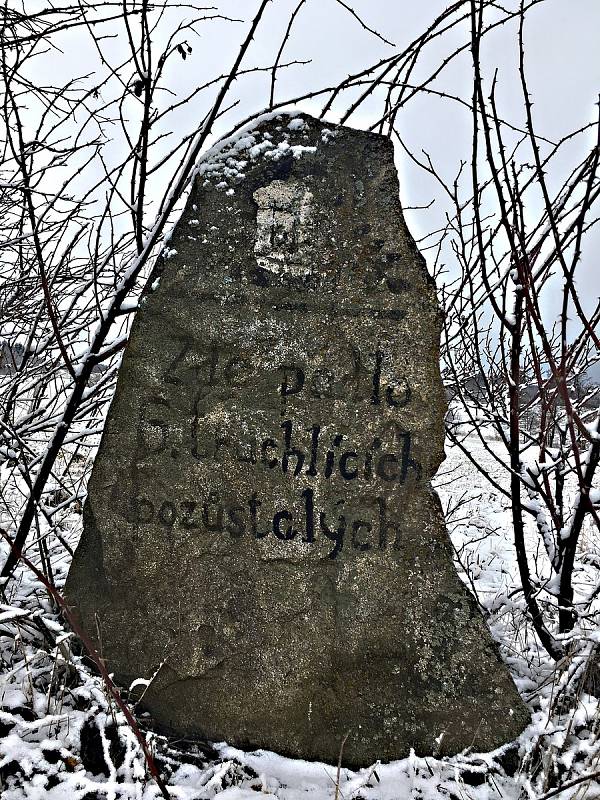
(61, 739)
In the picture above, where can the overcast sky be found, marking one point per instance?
(563, 63)
(562, 60)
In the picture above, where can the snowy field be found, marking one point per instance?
(60, 738)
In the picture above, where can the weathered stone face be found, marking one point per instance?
(260, 519)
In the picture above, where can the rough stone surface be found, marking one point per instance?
(260, 522)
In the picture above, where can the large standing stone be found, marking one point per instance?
(260, 522)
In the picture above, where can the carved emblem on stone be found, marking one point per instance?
(283, 227)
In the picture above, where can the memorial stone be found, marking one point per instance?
(260, 532)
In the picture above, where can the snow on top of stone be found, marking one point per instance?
(224, 165)
(297, 124)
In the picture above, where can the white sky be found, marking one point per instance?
(562, 60)
(562, 56)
